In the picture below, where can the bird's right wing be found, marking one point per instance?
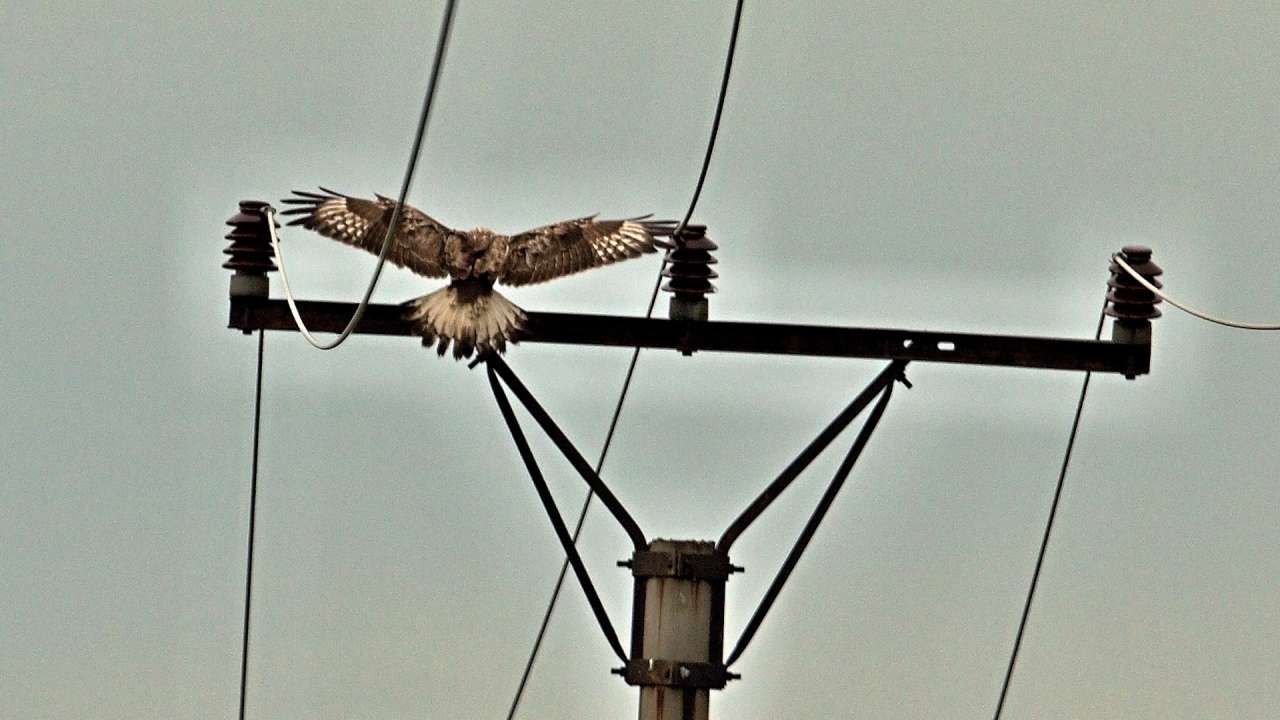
(418, 243)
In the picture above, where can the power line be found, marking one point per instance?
(715, 123)
(1048, 528)
(253, 511)
(577, 528)
(1186, 309)
(442, 43)
(631, 367)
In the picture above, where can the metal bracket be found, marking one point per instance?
(1099, 356)
(652, 672)
(713, 567)
(544, 493)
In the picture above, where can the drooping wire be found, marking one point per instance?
(253, 511)
(442, 44)
(1186, 309)
(631, 367)
(1048, 528)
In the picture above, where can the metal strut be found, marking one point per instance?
(883, 384)
(628, 523)
(886, 377)
(549, 503)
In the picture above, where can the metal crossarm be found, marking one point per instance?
(557, 522)
(1126, 358)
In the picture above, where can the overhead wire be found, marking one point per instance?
(1048, 528)
(631, 367)
(442, 44)
(253, 512)
(1075, 426)
(1187, 309)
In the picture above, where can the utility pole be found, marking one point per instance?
(681, 628)
(677, 651)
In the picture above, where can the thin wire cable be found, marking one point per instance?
(442, 44)
(1048, 528)
(253, 511)
(631, 367)
(1186, 309)
(577, 528)
(715, 123)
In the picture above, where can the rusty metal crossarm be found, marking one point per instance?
(1129, 359)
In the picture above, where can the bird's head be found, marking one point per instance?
(481, 239)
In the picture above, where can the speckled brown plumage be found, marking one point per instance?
(469, 313)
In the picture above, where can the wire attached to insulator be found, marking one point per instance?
(442, 44)
(1184, 308)
(715, 122)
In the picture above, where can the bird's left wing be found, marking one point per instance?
(418, 243)
(567, 247)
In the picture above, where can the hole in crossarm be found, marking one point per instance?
(946, 345)
(906, 344)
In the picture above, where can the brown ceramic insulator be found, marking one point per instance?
(1127, 299)
(250, 247)
(689, 264)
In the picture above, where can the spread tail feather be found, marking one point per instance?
(470, 321)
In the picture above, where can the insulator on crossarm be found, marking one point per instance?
(1132, 305)
(250, 250)
(1127, 299)
(689, 273)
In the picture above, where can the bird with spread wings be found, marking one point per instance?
(468, 312)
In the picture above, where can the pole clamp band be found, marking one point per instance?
(712, 567)
(650, 672)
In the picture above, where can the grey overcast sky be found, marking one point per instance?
(962, 166)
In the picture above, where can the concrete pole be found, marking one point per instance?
(677, 629)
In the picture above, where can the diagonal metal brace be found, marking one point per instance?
(495, 364)
(557, 522)
(886, 377)
(819, 512)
